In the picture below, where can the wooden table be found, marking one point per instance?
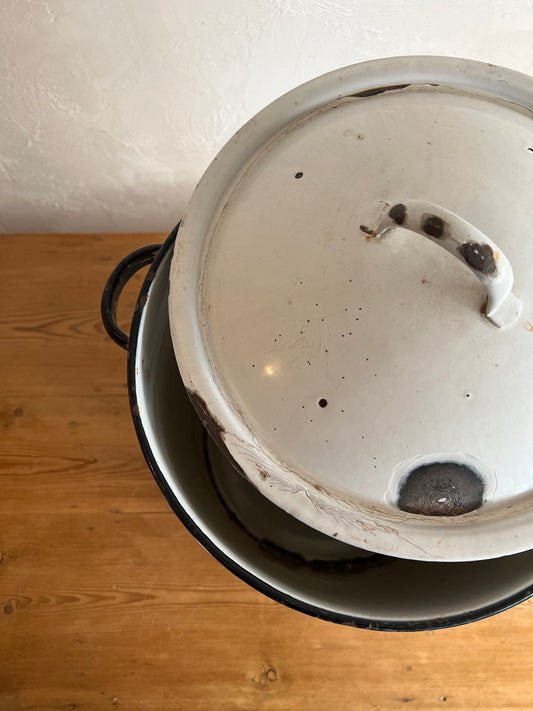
(106, 601)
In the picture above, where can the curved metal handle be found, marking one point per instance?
(120, 276)
(480, 254)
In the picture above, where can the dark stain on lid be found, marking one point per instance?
(379, 90)
(214, 428)
(398, 213)
(479, 256)
(441, 489)
(433, 225)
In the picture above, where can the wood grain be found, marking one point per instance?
(106, 601)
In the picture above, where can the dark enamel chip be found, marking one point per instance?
(441, 489)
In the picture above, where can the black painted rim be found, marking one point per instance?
(242, 573)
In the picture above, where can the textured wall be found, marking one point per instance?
(111, 111)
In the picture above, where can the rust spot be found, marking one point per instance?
(441, 489)
(214, 428)
(263, 474)
(366, 230)
(528, 326)
(360, 137)
(432, 225)
(379, 90)
(398, 213)
(478, 256)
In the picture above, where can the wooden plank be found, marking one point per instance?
(106, 601)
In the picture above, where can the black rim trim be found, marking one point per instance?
(242, 573)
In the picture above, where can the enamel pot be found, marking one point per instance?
(258, 541)
(348, 307)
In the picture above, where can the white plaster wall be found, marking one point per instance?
(110, 110)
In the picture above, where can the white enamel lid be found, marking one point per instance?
(351, 306)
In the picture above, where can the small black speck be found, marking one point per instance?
(360, 308)
(362, 436)
(310, 420)
(366, 358)
(253, 365)
(342, 376)
(303, 406)
(308, 321)
(322, 402)
(327, 441)
(299, 175)
(316, 304)
(346, 309)
(342, 335)
(321, 319)
(350, 333)
(326, 350)
(350, 280)
(275, 429)
(342, 410)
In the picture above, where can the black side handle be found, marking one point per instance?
(120, 276)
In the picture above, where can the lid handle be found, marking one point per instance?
(480, 254)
